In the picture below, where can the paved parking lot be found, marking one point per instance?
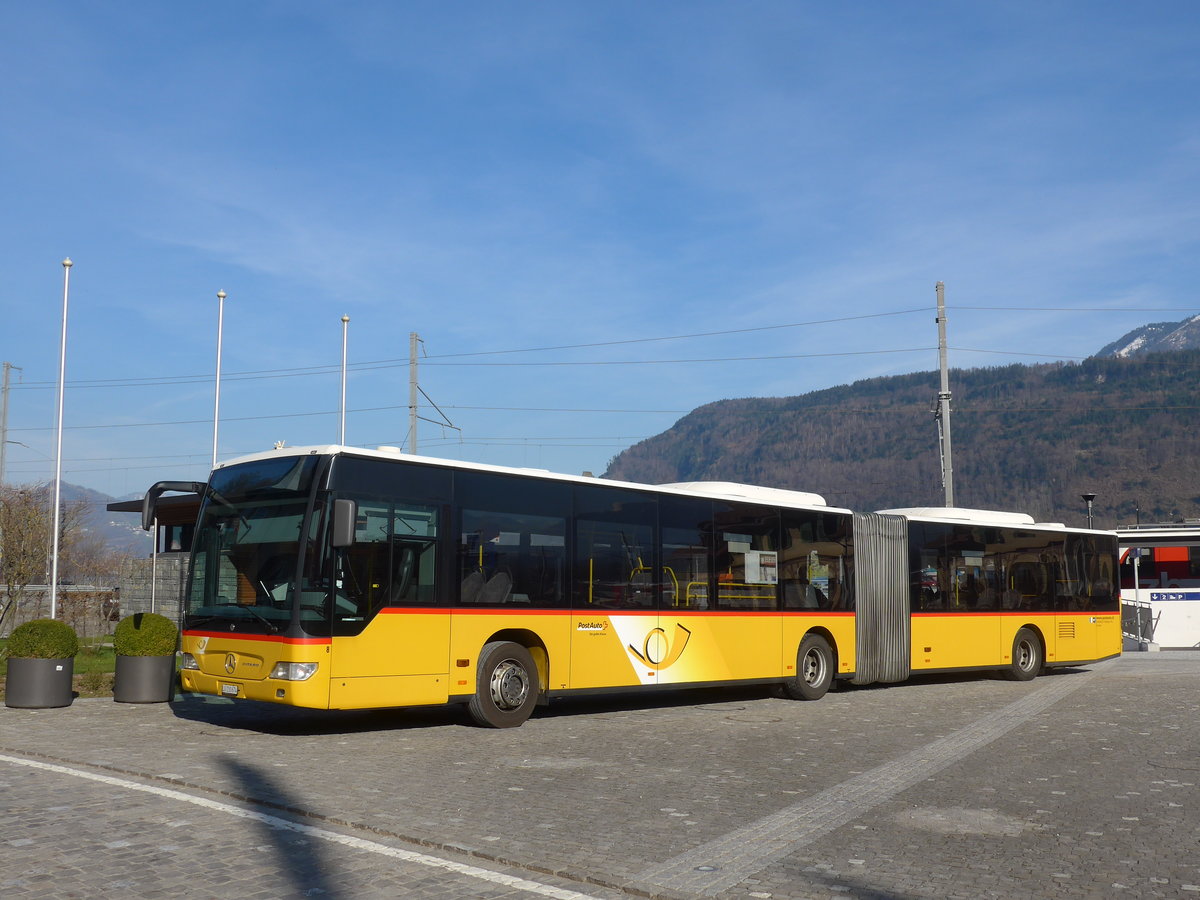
(1081, 783)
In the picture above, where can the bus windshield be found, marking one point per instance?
(247, 546)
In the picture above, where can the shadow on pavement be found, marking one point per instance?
(300, 857)
(269, 718)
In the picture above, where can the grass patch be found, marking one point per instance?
(94, 684)
(95, 659)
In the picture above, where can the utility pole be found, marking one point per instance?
(943, 408)
(4, 418)
(413, 340)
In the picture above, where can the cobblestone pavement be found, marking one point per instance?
(1082, 783)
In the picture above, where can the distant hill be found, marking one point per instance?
(1025, 438)
(120, 531)
(1159, 337)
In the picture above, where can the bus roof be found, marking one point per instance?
(1163, 534)
(726, 490)
(961, 514)
(733, 490)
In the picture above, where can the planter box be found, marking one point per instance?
(39, 683)
(144, 679)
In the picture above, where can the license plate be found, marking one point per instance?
(229, 690)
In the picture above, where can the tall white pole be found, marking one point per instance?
(342, 418)
(62, 376)
(154, 564)
(943, 411)
(217, 393)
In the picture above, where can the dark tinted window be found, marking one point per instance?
(746, 544)
(512, 545)
(968, 567)
(686, 548)
(816, 560)
(615, 554)
(1090, 579)
(387, 478)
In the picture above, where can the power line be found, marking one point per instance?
(365, 409)
(166, 380)
(371, 365)
(660, 362)
(1134, 309)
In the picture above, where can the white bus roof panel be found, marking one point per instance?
(960, 514)
(751, 492)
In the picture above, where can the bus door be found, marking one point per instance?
(956, 596)
(719, 619)
(617, 585)
(390, 637)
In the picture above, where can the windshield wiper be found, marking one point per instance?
(250, 609)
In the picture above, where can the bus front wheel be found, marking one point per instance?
(814, 669)
(506, 686)
(1027, 656)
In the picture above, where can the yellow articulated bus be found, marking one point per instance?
(341, 578)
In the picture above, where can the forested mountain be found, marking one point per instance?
(1025, 438)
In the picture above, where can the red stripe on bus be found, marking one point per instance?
(269, 638)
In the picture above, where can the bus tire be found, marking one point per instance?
(814, 669)
(506, 686)
(1027, 656)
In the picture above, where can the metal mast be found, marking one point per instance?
(413, 340)
(943, 407)
(8, 367)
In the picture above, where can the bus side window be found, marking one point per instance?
(509, 558)
(392, 562)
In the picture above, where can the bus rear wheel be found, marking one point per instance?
(506, 686)
(814, 669)
(1027, 656)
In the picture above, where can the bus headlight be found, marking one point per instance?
(187, 661)
(293, 671)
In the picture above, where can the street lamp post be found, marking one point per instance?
(217, 393)
(62, 375)
(1088, 498)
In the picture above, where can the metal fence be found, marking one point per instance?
(91, 611)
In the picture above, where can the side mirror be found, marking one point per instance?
(344, 514)
(150, 501)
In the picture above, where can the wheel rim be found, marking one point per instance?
(509, 685)
(812, 667)
(1025, 656)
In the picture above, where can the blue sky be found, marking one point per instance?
(518, 176)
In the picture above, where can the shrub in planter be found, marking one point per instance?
(41, 663)
(145, 634)
(145, 644)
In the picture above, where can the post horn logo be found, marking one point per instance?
(657, 652)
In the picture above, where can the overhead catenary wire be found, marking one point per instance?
(471, 359)
(394, 363)
(439, 359)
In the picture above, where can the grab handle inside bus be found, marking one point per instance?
(344, 514)
(150, 501)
